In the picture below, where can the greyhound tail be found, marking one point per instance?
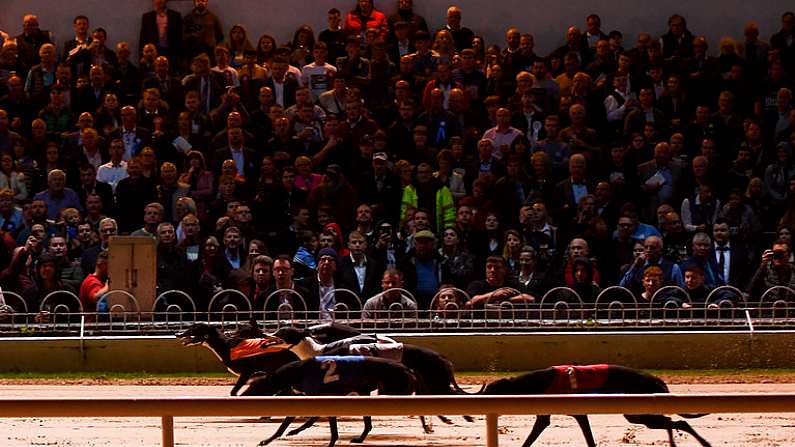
(693, 415)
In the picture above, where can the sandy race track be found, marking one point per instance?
(736, 430)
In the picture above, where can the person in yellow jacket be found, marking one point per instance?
(431, 194)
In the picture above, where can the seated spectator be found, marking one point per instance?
(390, 299)
(713, 275)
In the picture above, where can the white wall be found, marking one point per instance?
(546, 19)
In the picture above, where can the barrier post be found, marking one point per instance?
(492, 439)
(167, 426)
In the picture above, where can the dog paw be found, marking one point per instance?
(469, 419)
(428, 430)
(265, 442)
(357, 440)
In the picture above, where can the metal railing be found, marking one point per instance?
(60, 313)
(491, 406)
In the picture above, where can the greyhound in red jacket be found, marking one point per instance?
(597, 379)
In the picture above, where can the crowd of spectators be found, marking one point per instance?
(380, 154)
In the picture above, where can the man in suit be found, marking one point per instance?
(209, 84)
(170, 87)
(163, 28)
(90, 185)
(322, 285)
(358, 271)
(81, 38)
(282, 84)
(569, 192)
(283, 280)
(135, 138)
(659, 179)
(731, 259)
(245, 158)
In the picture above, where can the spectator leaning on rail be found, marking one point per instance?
(496, 288)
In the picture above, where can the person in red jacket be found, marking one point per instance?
(364, 17)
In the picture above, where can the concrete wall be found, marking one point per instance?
(546, 19)
(469, 352)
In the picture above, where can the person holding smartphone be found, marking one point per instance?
(774, 270)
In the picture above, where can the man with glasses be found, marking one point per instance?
(652, 256)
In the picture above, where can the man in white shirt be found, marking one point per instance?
(319, 74)
(115, 170)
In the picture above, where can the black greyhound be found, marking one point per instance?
(333, 376)
(273, 353)
(434, 372)
(602, 379)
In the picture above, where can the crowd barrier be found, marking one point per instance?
(560, 307)
(490, 406)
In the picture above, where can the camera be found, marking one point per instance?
(779, 255)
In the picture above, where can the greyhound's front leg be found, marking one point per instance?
(368, 425)
(332, 425)
(242, 379)
(286, 423)
(309, 422)
(542, 422)
(585, 426)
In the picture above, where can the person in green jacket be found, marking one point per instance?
(428, 193)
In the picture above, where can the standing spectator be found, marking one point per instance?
(390, 298)
(652, 257)
(80, 40)
(201, 30)
(430, 194)
(359, 271)
(163, 28)
(363, 17)
(96, 285)
(57, 196)
(774, 270)
(462, 35)
(30, 41)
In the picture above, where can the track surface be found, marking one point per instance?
(736, 430)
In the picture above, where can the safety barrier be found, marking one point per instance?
(490, 406)
(561, 307)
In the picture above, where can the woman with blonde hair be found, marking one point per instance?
(444, 44)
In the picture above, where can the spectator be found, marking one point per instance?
(670, 273)
(57, 196)
(201, 29)
(96, 285)
(290, 296)
(390, 298)
(496, 288)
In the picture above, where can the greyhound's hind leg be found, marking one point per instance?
(309, 422)
(241, 380)
(685, 427)
(656, 421)
(427, 424)
(585, 426)
(542, 422)
(286, 423)
(368, 425)
(332, 424)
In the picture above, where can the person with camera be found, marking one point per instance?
(774, 270)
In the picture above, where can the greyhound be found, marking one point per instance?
(333, 376)
(605, 379)
(265, 354)
(434, 372)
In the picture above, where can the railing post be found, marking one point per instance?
(491, 430)
(167, 426)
